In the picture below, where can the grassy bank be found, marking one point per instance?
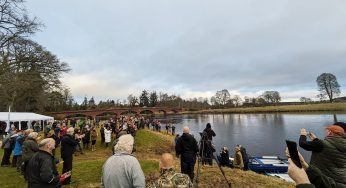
(149, 146)
(323, 107)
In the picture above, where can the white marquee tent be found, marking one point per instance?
(22, 116)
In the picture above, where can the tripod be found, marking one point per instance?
(200, 157)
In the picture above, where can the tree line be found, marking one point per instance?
(326, 82)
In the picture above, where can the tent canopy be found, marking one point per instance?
(23, 116)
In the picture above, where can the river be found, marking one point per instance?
(260, 134)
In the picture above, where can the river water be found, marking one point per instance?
(260, 134)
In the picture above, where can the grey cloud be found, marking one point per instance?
(202, 46)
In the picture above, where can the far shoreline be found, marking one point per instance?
(334, 108)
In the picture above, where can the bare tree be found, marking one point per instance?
(222, 97)
(14, 21)
(321, 97)
(328, 85)
(133, 100)
(271, 96)
(305, 100)
(27, 72)
(237, 100)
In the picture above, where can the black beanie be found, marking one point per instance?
(341, 124)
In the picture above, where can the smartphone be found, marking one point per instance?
(292, 149)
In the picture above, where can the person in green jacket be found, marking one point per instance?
(328, 159)
(29, 148)
(314, 175)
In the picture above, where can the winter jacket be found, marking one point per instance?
(18, 147)
(102, 132)
(208, 134)
(6, 142)
(68, 145)
(30, 147)
(330, 161)
(13, 140)
(41, 171)
(238, 160)
(122, 170)
(86, 138)
(186, 147)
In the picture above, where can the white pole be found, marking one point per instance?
(20, 125)
(8, 121)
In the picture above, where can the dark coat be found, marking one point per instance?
(30, 147)
(244, 154)
(208, 134)
(328, 157)
(41, 171)
(86, 138)
(68, 146)
(186, 147)
(207, 146)
(224, 154)
(305, 186)
(102, 131)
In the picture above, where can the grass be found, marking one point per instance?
(149, 145)
(322, 107)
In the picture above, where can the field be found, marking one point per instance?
(149, 146)
(322, 107)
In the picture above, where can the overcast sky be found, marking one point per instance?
(194, 48)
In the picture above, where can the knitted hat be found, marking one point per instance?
(341, 124)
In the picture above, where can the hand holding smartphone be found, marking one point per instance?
(293, 151)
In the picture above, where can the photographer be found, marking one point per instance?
(305, 176)
(328, 156)
(207, 148)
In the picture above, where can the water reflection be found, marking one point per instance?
(261, 134)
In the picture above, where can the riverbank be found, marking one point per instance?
(322, 107)
(210, 176)
(150, 145)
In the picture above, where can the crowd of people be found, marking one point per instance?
(35, 159)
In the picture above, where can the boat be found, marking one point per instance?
(268, 164)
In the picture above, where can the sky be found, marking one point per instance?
(193, 48)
